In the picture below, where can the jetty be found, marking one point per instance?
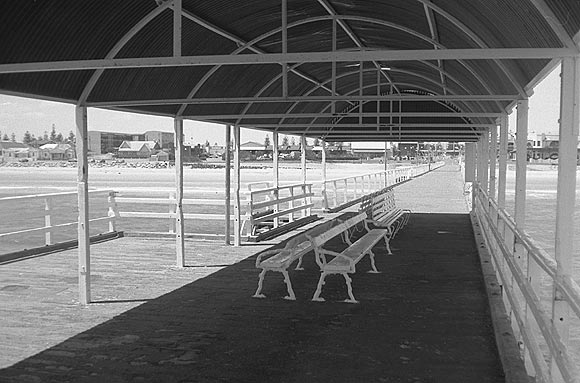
(426, 317)
(462, 297)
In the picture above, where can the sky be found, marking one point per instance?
(17, 115)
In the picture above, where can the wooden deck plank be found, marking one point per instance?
(425, 318)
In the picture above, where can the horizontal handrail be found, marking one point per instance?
(48, 195)
(281, 187)
(489, 213)
(276, 202)
(51, 200)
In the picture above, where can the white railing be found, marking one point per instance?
(523, 268)
(273, 207)
(341, 191)
(53, 204)
(165, 208)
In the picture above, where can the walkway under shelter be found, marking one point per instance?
(425, 318)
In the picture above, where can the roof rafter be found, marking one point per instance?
(303, 57)
(292, 99)
(350, 33)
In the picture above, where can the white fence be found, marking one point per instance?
(340, 191)
(523, 268)
(50, 206)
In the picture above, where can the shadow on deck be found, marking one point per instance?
(425, 318)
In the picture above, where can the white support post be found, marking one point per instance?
(84, 250)
(179, 222)
(333, 66)
(177, 28)
(386, 162)
(285, 47)
(503, 154)
(47, 220)
(303, 163)
(276, 170)
(237, 213)
(485, 162)
(521, 163)
(520, 253)
(492, 162)
(566, 195)
(324, 189)
(303, 157)
(228, 185)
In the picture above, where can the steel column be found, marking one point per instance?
(566, 194)
(179, 222)
(503, 153)
(521, 163)
(492, 162)
(84, 250)
(237, 212)
(228, 186)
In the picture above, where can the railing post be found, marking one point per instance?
(47, 220)
(291, 205)
(356, 186)
(345, 200)
(113, 212)
(172, 212)
(335, 195)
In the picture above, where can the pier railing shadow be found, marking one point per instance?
(424, 317)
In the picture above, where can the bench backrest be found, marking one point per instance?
(378, 204)
(320, 239)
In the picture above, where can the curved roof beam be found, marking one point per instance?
(554, 23)
(463, 28)
(416, 86)
(435, 36)
(350, 33)
(274, 31)
(291, 108)
(380, 22)
(90, 85)
(242, 45)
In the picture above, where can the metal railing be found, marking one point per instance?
(276, 206)
(340, 191)
(51, 205)
(522, 267)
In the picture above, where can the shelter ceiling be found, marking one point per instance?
(456, 62)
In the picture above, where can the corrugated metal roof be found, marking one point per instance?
(62, 30)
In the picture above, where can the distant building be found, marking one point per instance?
(164, 139)
(109, 142)
(56, 152)
(138, 149)
(17, 151)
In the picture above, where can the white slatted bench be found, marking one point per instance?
(345, 262)
(280, 259)
(382, 211)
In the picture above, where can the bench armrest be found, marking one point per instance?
(335, 254)
(269, 252)
(378, 224)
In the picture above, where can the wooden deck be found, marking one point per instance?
(425, 318)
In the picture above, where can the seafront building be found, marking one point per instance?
(467, 295)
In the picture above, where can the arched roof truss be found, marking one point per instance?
(340, 70)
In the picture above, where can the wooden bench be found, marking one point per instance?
(382, 211)
(332, 262)
(280, 259)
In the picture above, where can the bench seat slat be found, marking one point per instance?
(356, 251)
(286, 258)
